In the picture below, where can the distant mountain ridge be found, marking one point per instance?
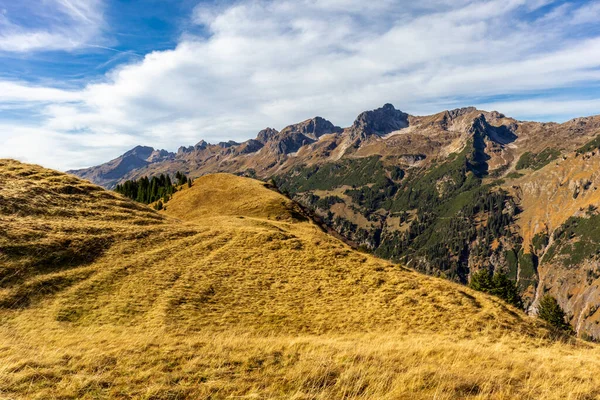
(385, 131)
(276, 145)
(448, 193)
(112, 172)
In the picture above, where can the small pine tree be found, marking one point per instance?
(498, 285)
(550, 311)
(189, 182)
(506, 290)
(481, 281)
(159, 205)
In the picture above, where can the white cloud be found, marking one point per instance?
(25, 93)
(271, 63)
(65, 25)
(589, 13)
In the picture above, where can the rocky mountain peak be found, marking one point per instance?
(457, 112)
(479, 122)
(266, 134)
(159, 155)
(380, 121)
(202, 144)
(228, 144)
(141, 152)
(313, 128)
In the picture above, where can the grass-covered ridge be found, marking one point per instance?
(229, 293)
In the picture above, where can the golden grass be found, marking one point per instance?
(231, 294)
(115, 363)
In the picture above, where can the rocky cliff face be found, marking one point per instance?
(312, 128)
(380, 121)
(448, 193)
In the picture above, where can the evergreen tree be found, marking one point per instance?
(550, 311)
(481, 281)
(145, 190)
(506, 290)
(498, 285)
(180, 178)
(140, 194)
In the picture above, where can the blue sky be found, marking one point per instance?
(82, 81)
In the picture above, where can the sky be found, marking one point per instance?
(82, 81)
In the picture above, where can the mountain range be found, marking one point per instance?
(446, 194)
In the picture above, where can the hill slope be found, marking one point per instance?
(447, 194)
(232, 292)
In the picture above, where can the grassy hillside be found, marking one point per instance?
(231, 292)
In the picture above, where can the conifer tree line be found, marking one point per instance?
(148, 190)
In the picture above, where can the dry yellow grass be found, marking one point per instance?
(231, 294)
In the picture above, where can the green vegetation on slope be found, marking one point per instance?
(497, 284)
(528, 263)
(449, 200)
(540, 241)
(592, 145)
(550, 311)
(145, 190)
(537, 161)
(576, 240)
(350, 172)
(448, 212)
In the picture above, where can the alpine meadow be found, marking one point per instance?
(317, 241)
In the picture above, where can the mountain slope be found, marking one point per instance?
(122, 263)
(232, 292)
(558, 224)
(447, 194)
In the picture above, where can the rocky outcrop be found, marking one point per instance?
(380, 121)
(312, 128)
(160, 155)
(266, 134)
(287, 142)
(250, 146)
(228, 144)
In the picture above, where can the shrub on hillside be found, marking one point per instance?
(498, 285)
(550, 311)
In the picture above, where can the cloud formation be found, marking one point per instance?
(62, 25)
(271, 63)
